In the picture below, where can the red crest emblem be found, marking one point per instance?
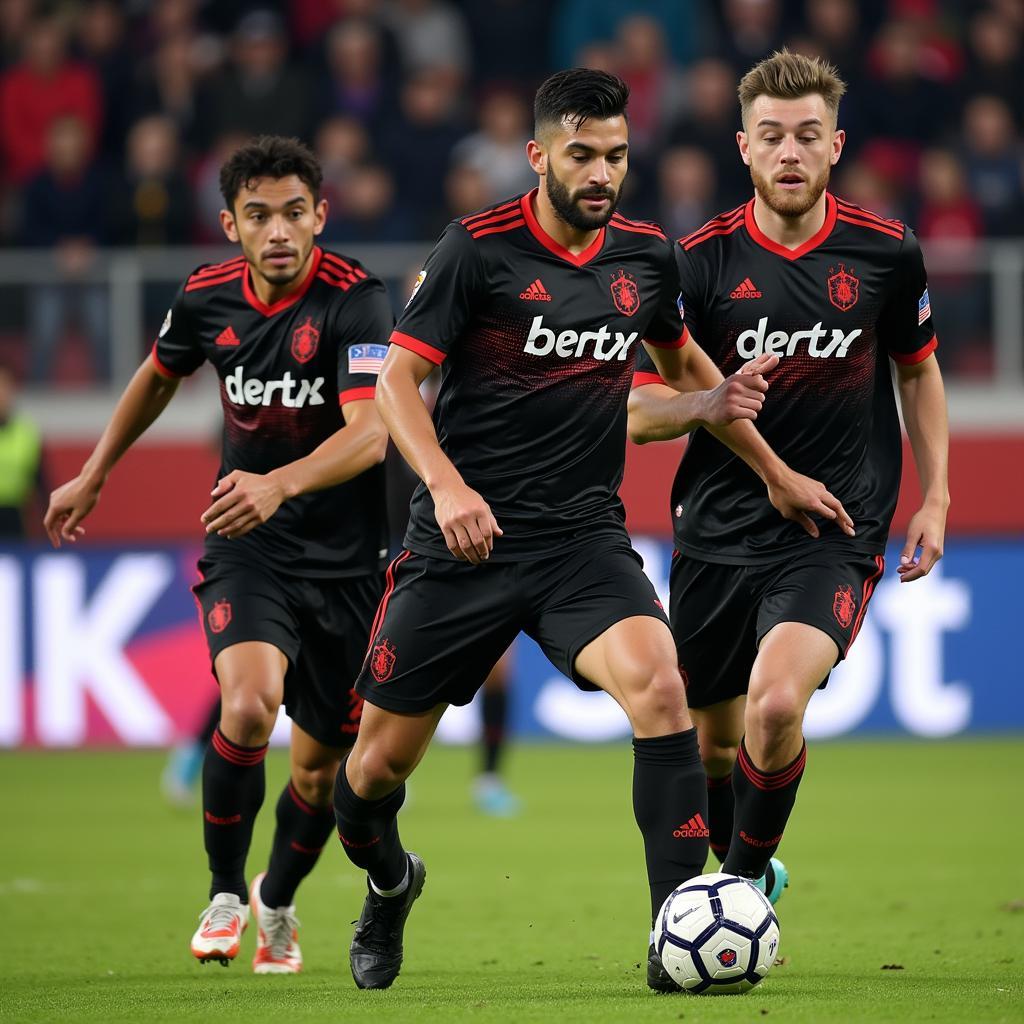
(727, 957)
(382, 660)
(219, 617)
(305, 340)
(844, 604)
(843, 288)
(625, 293)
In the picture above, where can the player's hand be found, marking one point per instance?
(741, 395)
(466, 520)
(926, 531)
(69, 505)
(798, 497)
(242, 501)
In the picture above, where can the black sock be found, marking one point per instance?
(205, 734)
(720, 811)
(301, 833)
(233, 788)
(495, 712)
(368, 830)
(764, 801)
(670, 802)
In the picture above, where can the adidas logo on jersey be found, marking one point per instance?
(542, 341)
(746, 289)
(250, 391)
(758, 342)
(536, 292)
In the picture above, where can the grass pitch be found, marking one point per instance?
(901, 853)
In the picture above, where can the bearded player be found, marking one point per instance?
(534, 309)
(295, 533)
(761, 611)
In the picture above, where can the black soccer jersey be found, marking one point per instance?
(285, 371)
(832, 309)
(537, 349)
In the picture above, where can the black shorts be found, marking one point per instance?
(442, 624)
(321, 626)
(720, 613)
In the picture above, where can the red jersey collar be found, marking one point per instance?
(290, 299)
(526, 203)
(765, 242)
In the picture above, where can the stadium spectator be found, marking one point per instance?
(431, 34)
(503, 39)
(686, 190)
(341, 145)
(496, 149)
(153, 204)
(15, 18)
(168, 85)
(65, 206)
(101, 37)
(22, 489)
(834, 29)
(208, 199)
(417, 144)
(995, 63)
(994, 157)
(750, 30)
(370, 210)
(258, 93)
(861, 183)
(44, 86)
(710, 124)
(358, 80)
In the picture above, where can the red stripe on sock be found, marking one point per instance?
(358, 846)
(301, 804)
(772, 780)
(245, 757)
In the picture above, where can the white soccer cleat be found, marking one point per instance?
(221, 925)
(277, 941)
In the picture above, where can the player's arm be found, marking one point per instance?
(142, 401)
(242, 501)
(699, 396)
(464, 517)
(923, 400)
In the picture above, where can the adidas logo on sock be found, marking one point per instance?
(746, 289)
(535, 292)
(693, 829)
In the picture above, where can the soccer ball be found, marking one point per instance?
(717, 934)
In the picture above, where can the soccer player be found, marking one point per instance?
(534, 309)
(295, 532)
(760, 610)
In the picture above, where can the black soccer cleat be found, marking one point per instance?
(376, 950)
(657, 977)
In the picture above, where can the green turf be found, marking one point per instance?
(900, 853)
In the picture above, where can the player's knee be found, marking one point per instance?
(718, 758)
(658, 701)
(380, 771)
(248, 716)
(776, 712)
(315, 785)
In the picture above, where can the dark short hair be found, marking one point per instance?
(576, 95)
(269, 156)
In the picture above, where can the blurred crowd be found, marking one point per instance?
(115, 117)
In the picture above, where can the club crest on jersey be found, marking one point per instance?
(305, 341)
(625, 293)
(219, 617)
(843, 288)
(844, 605)
(382, 660)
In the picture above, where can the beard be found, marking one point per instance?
(278, 277)
(790, 204)
(565, 205)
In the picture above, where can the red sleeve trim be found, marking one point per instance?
(161, 369)
(641, 377)
(910, 358)
(676, 343)
(421, 348)
(356, 395)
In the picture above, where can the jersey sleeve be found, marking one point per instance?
(905, 327)
(443, 300)
(666, 329)
(177, 351)
(361, 327)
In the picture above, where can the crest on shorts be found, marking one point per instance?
(843, 288)
(219, 617)
(382, 659)
(844, 605)
(625, 293)
(305, 340)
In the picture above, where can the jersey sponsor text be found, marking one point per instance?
(542, 341)
(757, 341)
